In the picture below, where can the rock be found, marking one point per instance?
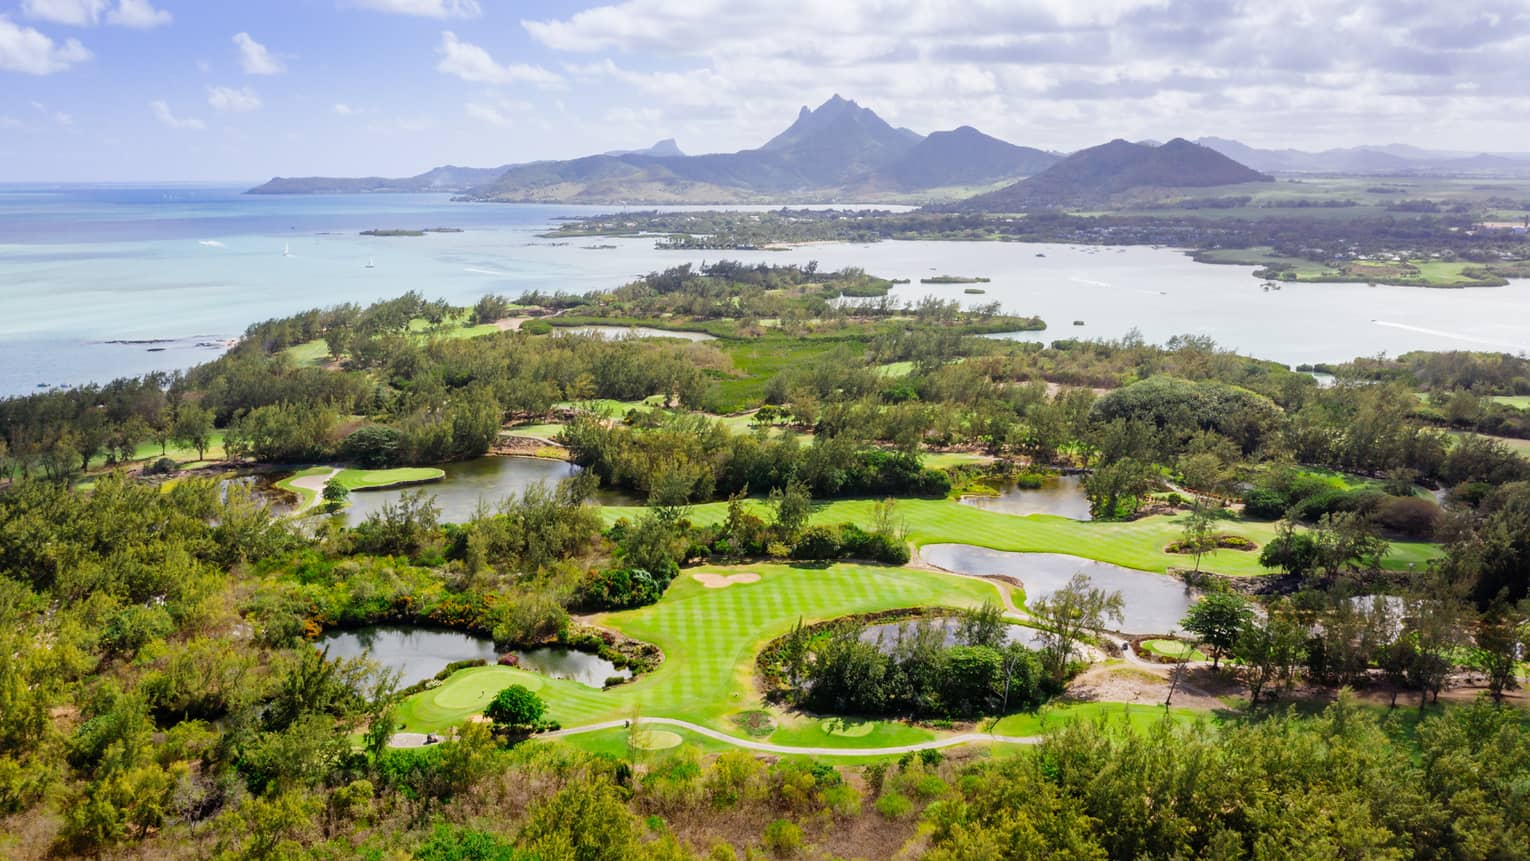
(509, 659)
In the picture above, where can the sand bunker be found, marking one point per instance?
(720, 581)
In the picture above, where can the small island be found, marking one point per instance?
(402, 232)
(952, 279)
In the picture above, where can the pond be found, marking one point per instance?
(889, 631)
(1062, 495)
(1155, 603)
(486, 479)
(614, 332)
(419, 653)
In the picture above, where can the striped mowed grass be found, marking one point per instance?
(710, 638)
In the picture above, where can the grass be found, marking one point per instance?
(1136, 544)
(948, 459)
(374, 479)
(1174, 649)
(710, 638)
(547, 430)
(1139, 718)
(848, 732)
(1519, 402)
(895, 370)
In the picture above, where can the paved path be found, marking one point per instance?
(765, 747)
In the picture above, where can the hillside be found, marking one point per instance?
(1093, 176)
(1390, 160)
(964, 156)
(445, 178)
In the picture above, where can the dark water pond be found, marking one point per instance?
(889, 632)
(419, 653)
(1155, 603)
(1062, 495)
(486, 479)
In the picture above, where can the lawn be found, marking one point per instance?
(710, 638)
(1175, 649)
(1519, 402)
(375, 479)
(306, 497)
(1055, 714)
(1136, 544)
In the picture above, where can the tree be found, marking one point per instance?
(1217, 621)
(1198, 536)
(793, 506)
(1293, 552)
(1115, 490)
(1268, 650)
(335, 494)
(1070, 613)
(193, 428)
(1500, 637)
(516, 708)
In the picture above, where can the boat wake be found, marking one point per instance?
(486, 272)
(211, 243)
(1423, 330)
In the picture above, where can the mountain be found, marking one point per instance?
(964, 156)
(666, 148)
(445, 178)
(1388, 160)
(836, 151)
(1095, 175)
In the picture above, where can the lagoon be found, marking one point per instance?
(1060, 495)
(177, 271)
(483, 480)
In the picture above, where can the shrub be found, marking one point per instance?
(894, 805)
(1408, 515)
(517, 707)
(1264, 503)
(817, 542)
(783, 838)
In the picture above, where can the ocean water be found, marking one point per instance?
(177, 271)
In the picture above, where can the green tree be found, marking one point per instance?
(516, 707)
(1199, 536)
(1115, 489)
(1217, 621)
(793, 505)
(193, 428)
(1068, 615)
(335, 494)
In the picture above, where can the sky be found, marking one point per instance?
(211, 90)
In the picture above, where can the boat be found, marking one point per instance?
(287, 250)
(370, 264)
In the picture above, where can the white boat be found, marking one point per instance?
(287, 249)
(370, 264)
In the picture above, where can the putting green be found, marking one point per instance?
(654, 739)
(1173, 649)
(847, 727)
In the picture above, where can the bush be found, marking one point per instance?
(517, 707)
(817, 542)
(783, 838)
(163, 466)
(1264, 503)
(1408, 515)
(894, 805)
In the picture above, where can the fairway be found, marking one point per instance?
(710, 638)
(376, 479)
(1134, 544)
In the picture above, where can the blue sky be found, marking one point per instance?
(237, 90)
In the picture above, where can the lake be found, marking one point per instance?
(468, 483)
(419, 653)
(888, 632)
(176, 271)
(1062, 495)
(1155, 603)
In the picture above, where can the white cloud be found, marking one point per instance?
(254, 57)
(487, 113)
(423, 8)
(10, 122)
(137, 14)
(163, 113)
(77, 13)
(25, 50)
(472, 63)
(233, 100)
(345, 110)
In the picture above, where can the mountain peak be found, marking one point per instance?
(841, 117)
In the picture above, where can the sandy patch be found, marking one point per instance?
(509, 324)
(720, 581)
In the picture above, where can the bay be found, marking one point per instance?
(176, 271)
